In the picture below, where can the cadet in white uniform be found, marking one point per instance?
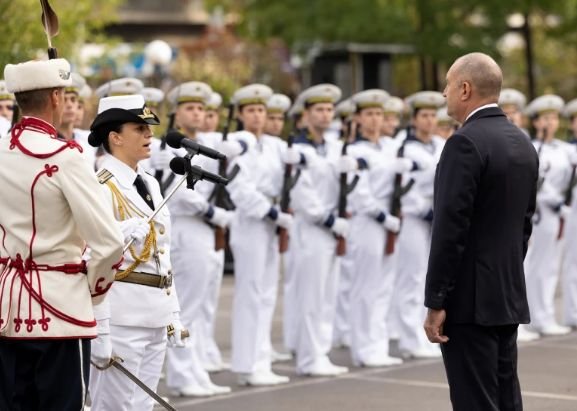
(142, 303)
(425, 148)
(276, 112)
(6, 102)
(51, 207)
(212, 113)
(446, 126)
(570, 231)
(542, 264)
(84, 95)
(394, 108)
(373, 270)
(312, 254)
(513, 102)
(254, 242)
(196, 263)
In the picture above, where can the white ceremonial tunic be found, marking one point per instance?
(51, 209)
(138, 314)
(373, 272)
(314, 264)
(413, 246)
(254, 244)
(542, 263)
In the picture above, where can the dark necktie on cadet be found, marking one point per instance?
(143, 191)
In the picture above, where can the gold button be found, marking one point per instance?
(161, 251)
(161, 230)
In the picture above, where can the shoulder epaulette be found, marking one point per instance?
(103, 176)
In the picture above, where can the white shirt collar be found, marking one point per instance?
(122, 171)
(490, 105)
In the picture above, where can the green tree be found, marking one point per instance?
(22, 35)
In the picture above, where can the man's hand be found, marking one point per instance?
(434, 326)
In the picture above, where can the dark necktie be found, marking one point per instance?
(143, 191)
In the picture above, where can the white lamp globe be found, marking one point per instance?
(158, 52)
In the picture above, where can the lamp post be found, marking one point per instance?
(158, 54)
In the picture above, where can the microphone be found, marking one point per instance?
(176, 140)
(178, 165)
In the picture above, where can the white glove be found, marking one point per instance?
(160, 159)
(101, 346)
(229, 148)
(573, 157)
(221, 217)
(402, 165)
(175, 332)
(291, 156)
(340, 227)
(284, 220)
(392, 223)
(136, 228)
(347, 164)
(565, 211)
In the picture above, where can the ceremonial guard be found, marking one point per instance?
(276, 113)
(314, 263)
(423, 147)
(6, 109)
(373, 269)
(570, 231)
(51, 208)
(256, 262)
(66, 128)
(212, 115)
(513, 102)
(542, 264)
(142, 309)
(196, 263)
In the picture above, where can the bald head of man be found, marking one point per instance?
(473, 80)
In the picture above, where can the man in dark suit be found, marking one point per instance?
(485, 190)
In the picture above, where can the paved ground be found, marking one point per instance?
(548, 373)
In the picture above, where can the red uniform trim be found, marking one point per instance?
(39, 126)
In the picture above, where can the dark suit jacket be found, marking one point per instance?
(485, 189)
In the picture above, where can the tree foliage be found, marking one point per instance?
(22, 35)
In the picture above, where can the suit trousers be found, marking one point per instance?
(481, 366)
(44, 374)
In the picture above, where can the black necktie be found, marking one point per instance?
(143, 191)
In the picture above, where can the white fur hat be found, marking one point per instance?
(36, 75)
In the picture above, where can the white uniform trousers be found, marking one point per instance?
(254, 245)
(570, 272)
(414, 243)
(317, 274)
(211, 354)
(342, 329)
(371, 290)
(290, 294)
(142, 350)
(542, 269)
(193, 261)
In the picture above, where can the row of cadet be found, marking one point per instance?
(361, 298)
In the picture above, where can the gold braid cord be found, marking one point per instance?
(124, 211)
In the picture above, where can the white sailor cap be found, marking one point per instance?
(394, 105)
(4, 93)
(544, 104)
(370, 98)
(570, 109)
(77, 83)
(345, 108)
(425, 99)
(252, 94)
(120, 87)
(85, 92)
(278, 103)
(36, 75)
(214, 102)
(512, 97)
(152, 96)
(443, 116)
(189, 92)
(297, 107)
(321, 93)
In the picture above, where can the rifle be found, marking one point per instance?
(220, 194)
(288, 183)
(398, 192)
(345, 189)
(568, 200)
(540, 137)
